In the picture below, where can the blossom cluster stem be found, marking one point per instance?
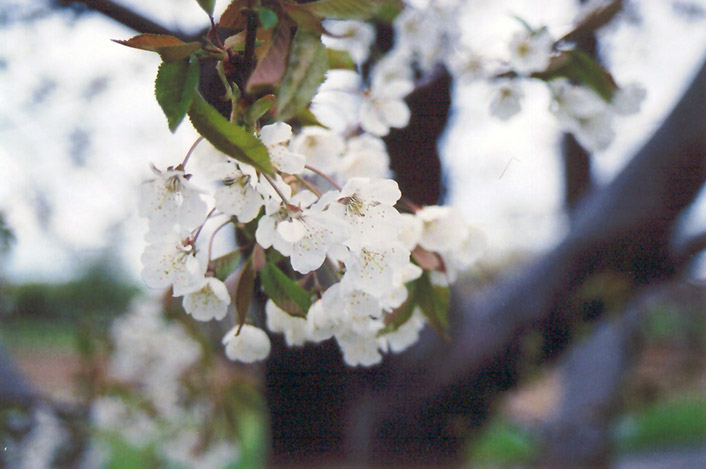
(323, 175)
(309, 186)
(279, 192)
(191, 150)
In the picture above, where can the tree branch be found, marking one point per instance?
(121, 14)
(626, 228)
(577, 434)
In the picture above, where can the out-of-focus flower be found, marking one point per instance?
(507, 100)
(250, 345)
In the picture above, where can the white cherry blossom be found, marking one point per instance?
(321, 147)
(410, 230)
(383, 105)
(530, 51)
(507, 99)
(362, 347)
(368, 208)
(337, 103)
(354, 37)
(170, 199)
(251, 345)
(420, 34)
(276, 138)
(443, 228)
(294, 328)
(372, 270)
(582, 112)
(321, 324)
(628, 99)
(172, 262)
(366, 156)
(305, 234)
(407, 334)
(446, 232)
(239, 195)
(465, 64)
(209, 302)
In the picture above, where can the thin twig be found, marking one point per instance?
(213, 235)
(279, 192)
(198, 232)
(309, 185)
(191, 150)
(323, 175)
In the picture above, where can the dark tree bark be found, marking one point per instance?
(578, 432)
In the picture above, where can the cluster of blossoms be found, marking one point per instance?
(429, 33)
(349, 247)
(336, 257)
(152, 358)
(324, 231)
(39, 445)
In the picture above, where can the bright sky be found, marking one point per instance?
(79, 127)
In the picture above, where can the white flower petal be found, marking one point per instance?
(251, 345)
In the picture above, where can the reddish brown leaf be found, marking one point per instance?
(258, 258)
(233, 17)
(244, 291)
(427, 260)
(169, 47)
(272, 58)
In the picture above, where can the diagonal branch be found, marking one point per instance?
(625, 229)
(121, 14)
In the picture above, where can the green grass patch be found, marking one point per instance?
(503, 443)
(37, 333)
(678, 422)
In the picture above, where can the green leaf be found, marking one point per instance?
(400, 315)
(306, 117)
(170, 48)
(434, 302)
(524, 23)
(304, 18)
(340, 59)
(226, 264)
(268, 18)
(389, 10)
(306, 68)
(244, 292)
(175, 88)
(344, 9)
(584, 69)
(284, 292)
(236, 41)
(231, 139)
(259, 108)
(207, 6)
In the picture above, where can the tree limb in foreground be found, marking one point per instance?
(627, 229)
